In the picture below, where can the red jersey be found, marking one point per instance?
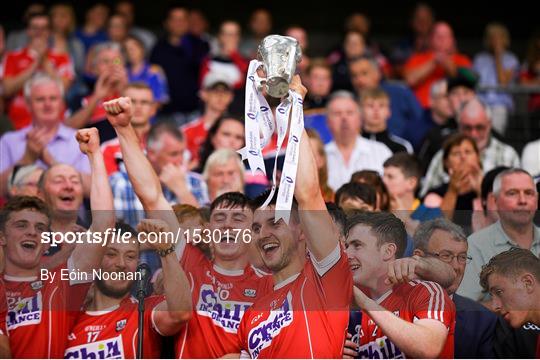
(40, 314)
(113, 333)
(422, 89)
(18, 61)
(195, 134)
(99, 112)
(220, 298)
(112, 154)
(3, 308)
(410, 301)
(305, 316)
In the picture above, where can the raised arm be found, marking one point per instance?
(87, 256)
(177, 307)
(322, 234)
(424, 268)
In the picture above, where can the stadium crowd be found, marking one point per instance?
(414, 228)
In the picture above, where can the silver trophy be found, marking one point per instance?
(280, 55)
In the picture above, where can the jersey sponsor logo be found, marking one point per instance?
(261, 336)
(224, 313)
(531, 326)
(26, 311)
(120, 325)
(381, 348)
(250, 293)
(105, 349)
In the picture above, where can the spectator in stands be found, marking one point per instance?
(110, 72)
(226, 133)
(356, 196)
(318, 80)
(375, 107)
(530, 72)
(260, 26)
(474, 120)
(22, 64)
(404, 108)
(348, 151)
(198, 27)
(144, 108)
(516, 199)
(24, 181)
(484, 208)
(18, 39)
(117, 28)
(322, 164)
(93, 31)
(530, 158)
(126, 8)
(374, 179)
(47, 140)
(421, 25)
(223, 173)
(497, 67)
(436, 124)
(165, 150)
(300, 34)
(179, 54)
(461, 160)
(442, 60)
(402, 176)
(139, 69)
(216, 94)
(475, 325)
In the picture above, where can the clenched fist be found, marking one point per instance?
(158, 233)
(88, 140)
(118, 111)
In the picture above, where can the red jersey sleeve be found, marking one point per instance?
(431, 301)
(150, 304)
(9, 66)
(192, 258)
(3, 309)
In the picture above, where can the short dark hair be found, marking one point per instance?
(511, 263)
(126, 228)
(385, 226)
(407, 163)
(19, 203)
(373, 178)
(364, 192)
(338, 215)
(230, 200)
(260, 200)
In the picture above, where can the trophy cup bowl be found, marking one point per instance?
(279, 55)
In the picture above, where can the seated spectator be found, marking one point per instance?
(108, 68)
(405, 109)
(23, 181)
(300, 34)
(117, 28)
(530, 72)
(375, 107)
(497, 67)
(199, 26)
(516, 199)
(179, 54)
(484, 208)
(348, 151)
(461, 160)
(442, 60)
(20, 65)
(139, 69)
(165, 146)
(318, 80)
(372, 178)
(93, 31)
(474, 120)
(530, 158)
(475, 325)
(260, 26)
(322, 164)
(144, 108)
(223, 173)
(216, 94)
(46, 140)
(18, 38)
(402, 178)
(126, 8)
(356, 196)
(417, 41)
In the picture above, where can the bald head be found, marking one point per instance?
(442, 38)
(474, 121)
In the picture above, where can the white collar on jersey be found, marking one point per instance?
(383, 296)
(223, 271)
(102, 312)
(286, 282)
(20, 278)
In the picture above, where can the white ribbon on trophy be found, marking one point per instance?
(280, 54)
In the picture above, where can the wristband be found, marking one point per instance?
(166, 252)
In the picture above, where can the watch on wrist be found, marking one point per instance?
(166, 252)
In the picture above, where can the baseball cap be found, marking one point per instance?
(212, 80)
(464, 77)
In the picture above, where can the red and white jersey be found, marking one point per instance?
(410, 301)
(306, 316)
(220, 299)
(40, 314)
(99, 111)
(195, 134)
(3, 308)
(17, 62)
(113, 333)
(112, 153)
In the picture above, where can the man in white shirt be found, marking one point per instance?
(349, 152)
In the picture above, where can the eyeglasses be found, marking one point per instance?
(478, 128)
(448, 257)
